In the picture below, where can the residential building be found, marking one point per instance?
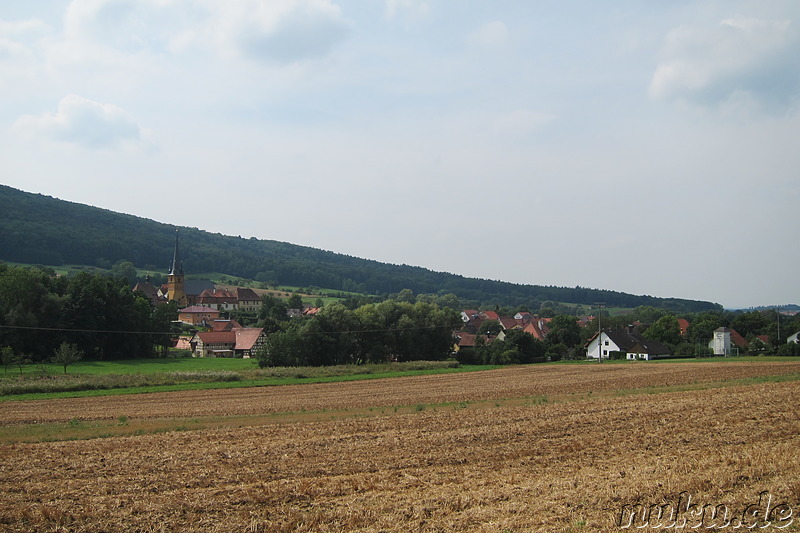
(247, 301)
(626, 341)
(238, 342)
(198, 315)
(220, 299)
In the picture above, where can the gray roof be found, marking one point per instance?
(196, 286)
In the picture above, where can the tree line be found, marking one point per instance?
(373, 332)
(99, 315)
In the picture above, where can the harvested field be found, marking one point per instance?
(511, 382)
(566, 466)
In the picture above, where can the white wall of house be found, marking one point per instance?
(606, 347)
(721, 343)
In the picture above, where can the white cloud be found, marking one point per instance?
(19, 51)
(493, 34)
(83, 122)
(279, 30)
(282, 31)
(22, 27)
(411, 8)
(742, 59)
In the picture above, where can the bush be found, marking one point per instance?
(791, 350)
(467, 356)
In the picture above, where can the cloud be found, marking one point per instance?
(740, 60)
(83, 122)
(19, 48)
(281, 31)
(411, 8)
(493, 34)
(22, 27)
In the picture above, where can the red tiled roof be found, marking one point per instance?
(466, 340)
(217, 337)
(224, 325)
(737, 339)
(537, 328)
(183, 343)
(246, 337)
(490, 315)
(216, 296)
(510, 323)
(684, 325)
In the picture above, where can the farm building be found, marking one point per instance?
(238, 342)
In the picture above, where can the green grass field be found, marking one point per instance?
(97, 378)
(145, 366)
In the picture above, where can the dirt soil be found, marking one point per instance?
(554, 466)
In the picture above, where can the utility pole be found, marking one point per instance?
(599, 331)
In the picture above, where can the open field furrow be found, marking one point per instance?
(553, 467)
(515, 382)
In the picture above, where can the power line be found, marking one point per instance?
(120, 332)
(67, 330)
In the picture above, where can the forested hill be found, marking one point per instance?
(40, 229)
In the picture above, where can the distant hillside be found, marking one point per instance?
(40, 229)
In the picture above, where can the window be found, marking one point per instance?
(606, 343)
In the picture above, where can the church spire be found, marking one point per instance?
(177, 264)
(175, 283)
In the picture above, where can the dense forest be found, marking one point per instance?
(99, 315)
(43, 230)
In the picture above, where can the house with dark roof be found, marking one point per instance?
(150, 291)
(627, 341)
(247, 300)
(647, 350)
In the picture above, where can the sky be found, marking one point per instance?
(643, 147)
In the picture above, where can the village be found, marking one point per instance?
(206, 307)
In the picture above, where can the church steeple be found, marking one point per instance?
(175, 285)
(177, 265)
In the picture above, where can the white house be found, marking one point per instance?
(627, 341)
(793, 339)
(721, 342)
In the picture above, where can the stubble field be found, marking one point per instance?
(538, 448)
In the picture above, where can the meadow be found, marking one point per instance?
(101, 378)
(534, 448)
